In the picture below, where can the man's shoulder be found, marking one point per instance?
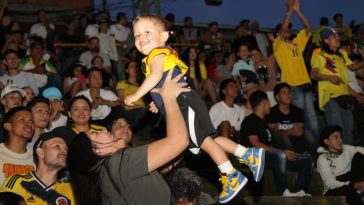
(12, 181)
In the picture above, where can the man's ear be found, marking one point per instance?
(165, 36)
(326, 141)
(7, 126)
(5, 63)
(326, 41)
(40, 153)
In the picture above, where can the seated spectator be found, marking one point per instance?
(43, 29)
(43, 185)
(287, 122)
(225, 115)
(197, 69)
(94, 50)
(103, 101)
(79, 114)
(107, 42)
(188, 34)
(39, 108)
(340, 166)
(248, 89)
(244, 62)
(260, 38)
(11, 96)
(38, 62)
(75, 81)
(216, 60)
(20, 78)
(213, 38)
(107, 77)
(137, 113)
(93, 29)
(136, 167)
(15, 41)
(15, 156)
(56, 118)
(29, 95)
(255, 132)
(227, 67)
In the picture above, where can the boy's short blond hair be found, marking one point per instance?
(155, 19)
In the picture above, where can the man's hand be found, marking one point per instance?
(291, 155)
(335, 79)
(290, 4)
(296, 6)
(153, 108)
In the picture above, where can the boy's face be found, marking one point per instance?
(149, 35)
(334, 142)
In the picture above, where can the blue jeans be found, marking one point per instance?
(335, 115)
(304, 100)
(278, 162)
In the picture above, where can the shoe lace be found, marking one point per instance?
(225, 181)
(243, 161)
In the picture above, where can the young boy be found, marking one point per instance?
(150, 38)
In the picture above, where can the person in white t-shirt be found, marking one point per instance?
(103, 101)
(225, 115)
(15, 156)
(43, 28)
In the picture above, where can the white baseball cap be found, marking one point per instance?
(12, 88)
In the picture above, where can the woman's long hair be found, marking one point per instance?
(186, 59)
(70, 122)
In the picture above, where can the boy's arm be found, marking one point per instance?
(150, 82)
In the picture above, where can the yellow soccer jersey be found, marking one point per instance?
(170, 60)
(34, 192)
(290, 59)
(331, 64)
(94, 128)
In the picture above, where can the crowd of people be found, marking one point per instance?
(68, 114)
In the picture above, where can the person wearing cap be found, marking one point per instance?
(93, 45)
(43, 186)
(11, 96)
(15, 156)
(289, 56)
(340, 166)
(17, 77)
(56, 119)
(330, 65)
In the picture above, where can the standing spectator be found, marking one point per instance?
(103, 101)
(121, 32)
(94, 50)
(39, 108)
(324, 24)
(213, 38)
(343, 31)
(107, 42)
(79, 114)
(17, 77)
(43, 185)
(15, 41)
(289, 56)
(225, 115)
(56, 117)
(260, 38)
(171, 28)
(340, 166)
(44, 29)
(255, 132)
(15, 156)
(330, 66)
(243, 37)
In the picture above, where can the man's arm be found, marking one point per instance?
(316, 75)
(306, 24)
(164, 150)
(287, 17)
(356, 66)
(254, 141)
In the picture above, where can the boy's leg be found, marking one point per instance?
(253, 157)
(233, 181)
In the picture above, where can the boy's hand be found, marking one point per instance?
(153, 108)
(130, 100)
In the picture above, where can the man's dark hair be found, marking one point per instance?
(36, 43)
(9, 198)
(10, 51)
(92, 70)
(326, 132)
(257, 97)
(120, 15)
(187, 18)
(37, 100)
(223, 86)
(337, 15)
(7, 118)
(40, 10)
(92, 38)
(324, 21)
(279, 87)
(214, 23)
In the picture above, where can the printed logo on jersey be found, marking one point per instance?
(61, 201)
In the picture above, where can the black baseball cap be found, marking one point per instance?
(62, 132)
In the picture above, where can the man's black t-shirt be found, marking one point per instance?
(254, 125)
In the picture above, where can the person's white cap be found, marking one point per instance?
(12, 88)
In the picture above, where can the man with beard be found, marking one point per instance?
(94, 50)
(43, 186)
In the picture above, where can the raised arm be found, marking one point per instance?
(176, 141)
(287, 17)
(296, 8)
